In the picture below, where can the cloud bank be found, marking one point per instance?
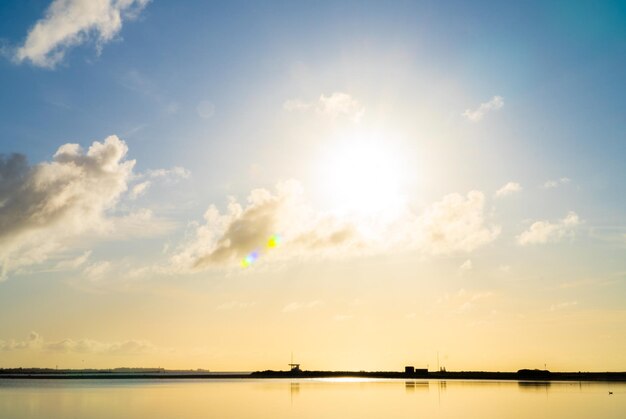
(69, 23)
(80, 346)
(454, 224)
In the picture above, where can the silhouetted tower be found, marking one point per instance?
(294, 367)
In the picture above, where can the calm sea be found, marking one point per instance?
(319, 398)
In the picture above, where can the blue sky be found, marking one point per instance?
(214, 100)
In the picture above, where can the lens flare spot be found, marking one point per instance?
(274, 241)
(250, 259)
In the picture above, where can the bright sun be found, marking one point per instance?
(362, 177)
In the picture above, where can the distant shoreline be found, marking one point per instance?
(522, 375)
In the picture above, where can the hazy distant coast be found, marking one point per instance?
(129, 373)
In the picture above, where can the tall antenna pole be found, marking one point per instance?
(438, 368)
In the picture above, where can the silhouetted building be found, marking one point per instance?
(415, 372)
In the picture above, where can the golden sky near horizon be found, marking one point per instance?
(365, 187)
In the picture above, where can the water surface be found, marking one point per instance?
(314, 398)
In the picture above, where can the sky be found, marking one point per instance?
(364, 185)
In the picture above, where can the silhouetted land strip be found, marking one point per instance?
(127, 373)
(453, 375)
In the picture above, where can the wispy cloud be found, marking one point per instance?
(69, 23)
(466, 266)
(464, 301)
(555, 183)
(171, 174)
(508, 189)
(139, 82)
(544, 231)
(205, 109)
(166, 176)
(336, 105)
(235, 305)
(563, 305)
(69, 264)
(295, 306)
(471, 299)
(97, 270)
(475, 115)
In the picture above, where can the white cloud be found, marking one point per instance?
(544, 231)
(69, 23)
(295, 306)
(456, 224)
(139, 189)
(42, 205)
(46, 207)
(555, 183)
(340, 104)
(336, 105)
(496, 102)
(225, 239)
(508, 189)
(82, 346)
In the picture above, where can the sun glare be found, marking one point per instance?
(362, 177)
